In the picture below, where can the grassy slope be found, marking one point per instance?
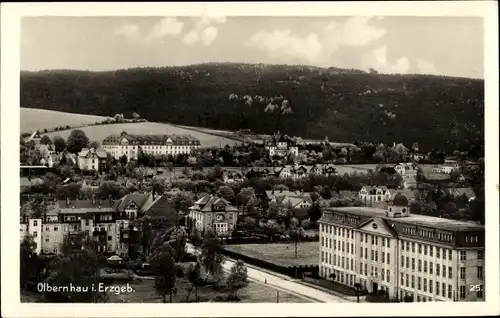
(39, 119)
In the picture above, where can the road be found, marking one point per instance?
(282, 282)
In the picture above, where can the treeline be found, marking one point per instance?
(438, 112)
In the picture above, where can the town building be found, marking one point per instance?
(130, 145)
(282, 146)
(370, 194)
(214, 212)
(35, 137)
(407, 256)
(92, 159)
(406, 169)
(106, 221)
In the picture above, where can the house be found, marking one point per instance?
(328, 169)
(160, 211)
(214, 212)
(52, 158)
(277, 196)
(284, 172)
(446, 168)
(375, 194)
(259, 172)
(406, 169)
(281, 145)
(232, 177)
(296, 206)
(92, 159)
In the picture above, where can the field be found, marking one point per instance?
(253, 293)
(281, 253)
(39, 119)
(102, 131)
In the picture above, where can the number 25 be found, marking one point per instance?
(474, 288)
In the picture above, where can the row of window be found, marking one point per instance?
(385, 275)
(424, 249)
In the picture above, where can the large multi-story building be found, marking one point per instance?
(130, 145)
(214, 212)
(106, 221)
(92, 159)
(419, 257)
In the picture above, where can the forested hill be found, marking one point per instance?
(345, 105)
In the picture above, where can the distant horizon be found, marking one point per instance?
(429, 45)
(244, 63)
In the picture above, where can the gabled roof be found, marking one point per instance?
(161, 206)
(138, 198)
(85, 206)
(206, 203)
(101, 153)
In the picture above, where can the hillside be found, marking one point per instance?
(40, 119)
(344, 105)
(102, 131)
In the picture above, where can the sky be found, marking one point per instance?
(451, 46)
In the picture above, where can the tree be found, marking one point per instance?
(135, 115)
(78, 265)
(195, 237)
(95, 144)
(211, 258)
(123, 160)
(170, 167)
(227, 193)
(194, 277)
(237, 279)
(245, 195)
(314, 212)
(77, 140)
(45, 140)
(278, 111)
(59, 143)
(28, 260)
(165, 270)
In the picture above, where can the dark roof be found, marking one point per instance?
(150, 139)
(400, 200)
(161, 206)
(85, 206)
(138, 198)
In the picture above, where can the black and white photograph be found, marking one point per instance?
(194, 156)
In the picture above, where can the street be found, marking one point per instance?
(281, 282)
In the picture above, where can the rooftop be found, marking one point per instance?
(414, 219)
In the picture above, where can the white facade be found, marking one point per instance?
(374, 194)
(130, 145)
(377, 258)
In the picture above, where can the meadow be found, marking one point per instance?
(280, 253)
(40, 119)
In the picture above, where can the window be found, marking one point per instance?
(443, 291)
(361, 253)
(425, 266)
(402, 261)
(383, 257)
(438, 252)
(87, 222)
(413, 247)
(450, 272)
(366, 253)
(425, 249)
(361, 268)
(412, 281)
(444, 253)
(450, 294)
(419, 249)
(110, 237)
(35, 234)
(431, 267)
(480, 254)
(419, 265)
(388, 276)
(419, 286)
(47, 229)
(462, 292)
(480, 272)
(425, 284)
(444, 271)
(407, 280)
(402, 279)
(376, 256)
(366, 269)
(408, 246)
(450, 255)
(383, 275)
(438, 270)
(413, 263)
(352, 264)
(430, 286)
(407, 262)
(463, 255)
(388, 242)
(46, 239)
(373, 240)
(372, 254)
(480, 294)
(388, 258)
(437, 288)
(431, 248)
